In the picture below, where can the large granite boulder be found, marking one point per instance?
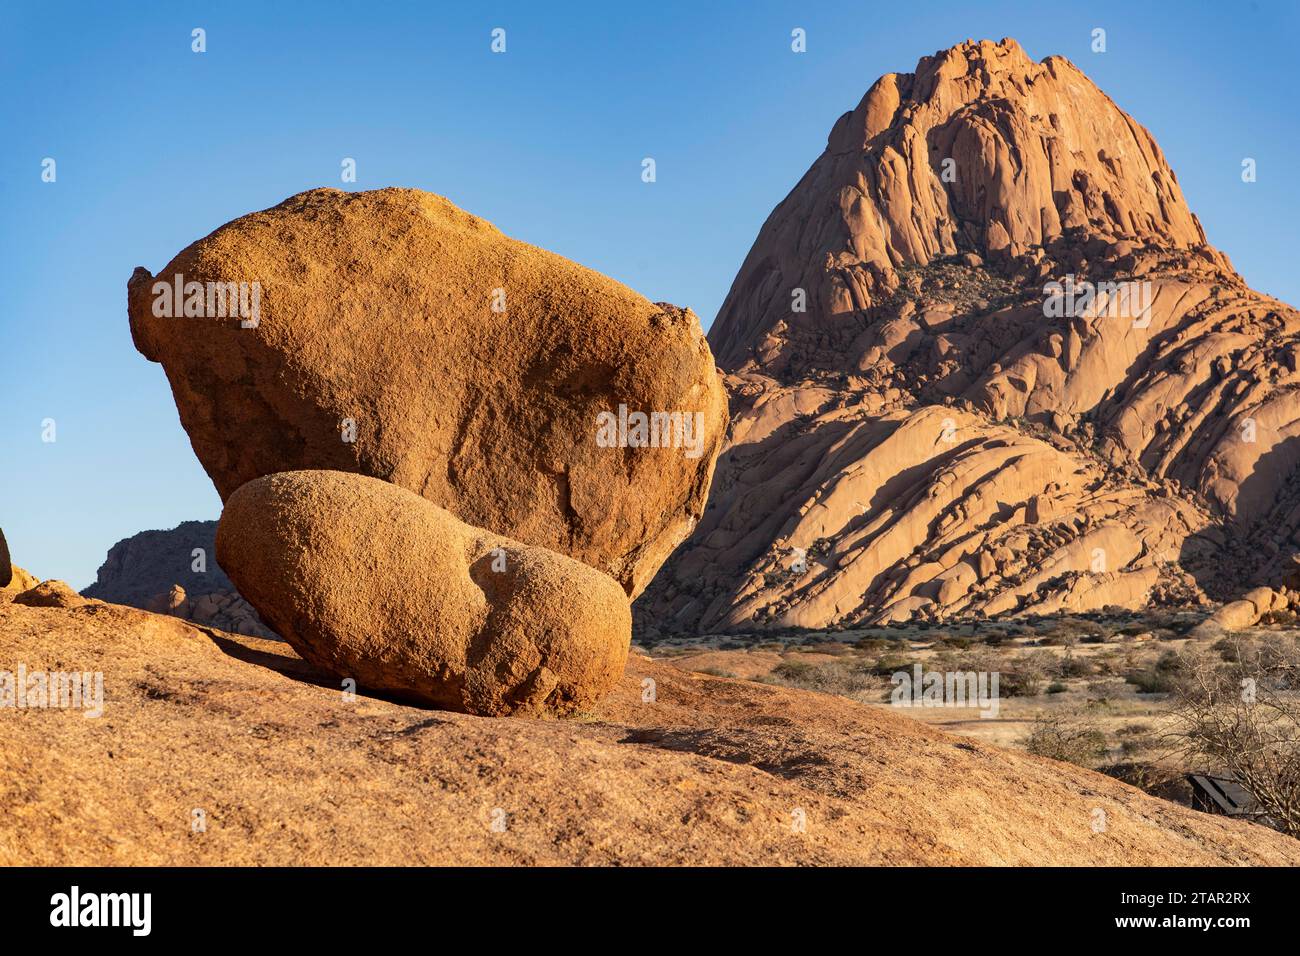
(392, 334)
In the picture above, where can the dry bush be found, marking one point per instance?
(1159, 780)
(846, 677)
(1067, 738)
(1019, 675)
(1239, 712)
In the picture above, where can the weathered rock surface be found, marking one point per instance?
(175, 602)
(941, 431)
(146, 569)
(13, 579)
(374, 583)
(377, 350)
(52, 593)
(19, 581)
(287, 771)
(1243, 613)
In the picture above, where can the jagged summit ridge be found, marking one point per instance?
(981, 150)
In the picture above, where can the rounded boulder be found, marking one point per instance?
(375, 583)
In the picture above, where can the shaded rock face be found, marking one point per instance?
(145, 569)
(374, 583)
(983, 362)
(140, 567)
(6, 569)
(399, 337)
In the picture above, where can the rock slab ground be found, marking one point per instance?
(710, 771)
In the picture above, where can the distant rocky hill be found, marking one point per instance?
(983, 361)
(146, 569)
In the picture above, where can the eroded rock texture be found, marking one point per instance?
(940, 407)
(400, 337)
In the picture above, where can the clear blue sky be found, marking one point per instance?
(156, 146)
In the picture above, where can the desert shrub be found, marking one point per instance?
(1108, 664)
(1066, 738)
(1056, 687)
(1285, 618)
(1130, 746)
(1075, 667)
(847, 677)
(1024, 676)
(1159, 678)
(1243, 718)
(1018, 675)
(794, 671)
(1158, 780)
(1226, 648)
(887, 664)
(1150, 681)
(715, 672)
(1104, 690)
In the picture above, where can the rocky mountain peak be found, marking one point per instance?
(981, 152)
(984, 364)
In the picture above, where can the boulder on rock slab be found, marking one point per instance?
(374, 583)
(1235, 615)
(400, 337)
(52, 593)
(173, 601)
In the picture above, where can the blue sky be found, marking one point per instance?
(156, 146)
